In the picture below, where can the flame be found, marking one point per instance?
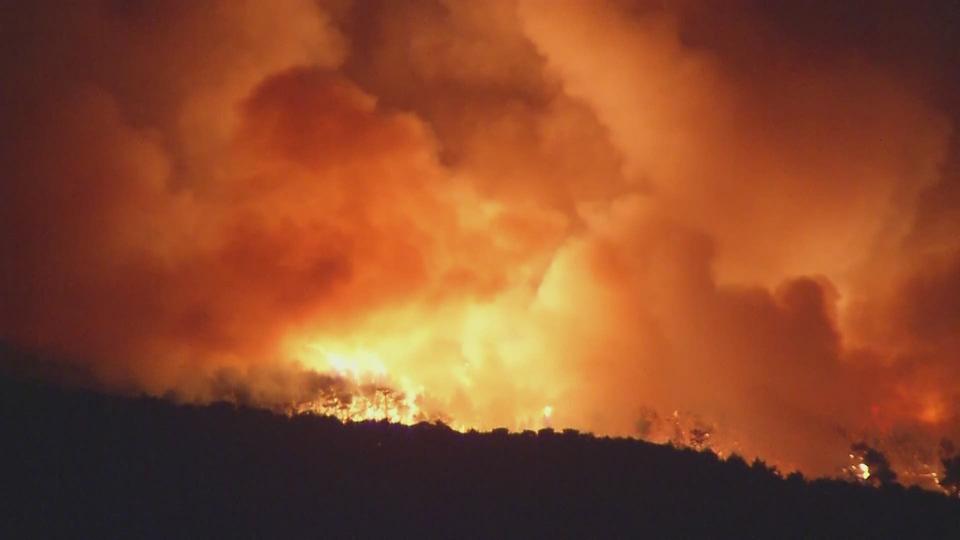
(408, 366)
(475, 364)
(368, 403)
(547, 412)
(375, 395)
(858, 470)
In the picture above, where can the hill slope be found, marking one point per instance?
(81, 464)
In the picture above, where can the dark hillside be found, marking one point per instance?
(82, 464)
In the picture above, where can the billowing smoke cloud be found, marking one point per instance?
(608, 215)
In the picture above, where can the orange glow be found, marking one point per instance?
(933, 410)
(511, 213)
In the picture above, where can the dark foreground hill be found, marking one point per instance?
(82, 465)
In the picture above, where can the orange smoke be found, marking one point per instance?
(650, 219)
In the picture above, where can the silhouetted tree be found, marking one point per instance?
(951, 475)
(881, 473)
(795, 478)
(951, 468)
(760, 467)
(737, 460)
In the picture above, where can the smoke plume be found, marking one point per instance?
(625, 217)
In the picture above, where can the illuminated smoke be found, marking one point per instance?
(650, 219)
